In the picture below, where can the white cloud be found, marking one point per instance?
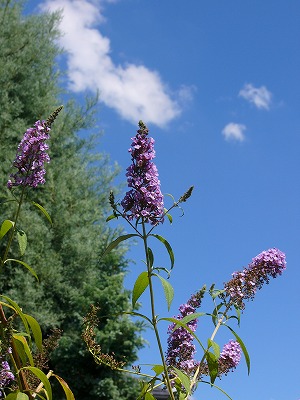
(233, 131)
(133, 91)
(261, 97)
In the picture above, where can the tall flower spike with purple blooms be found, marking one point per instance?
(244, 284)
(229, 357)
(144, 200)
(181, 350)
(31, 156)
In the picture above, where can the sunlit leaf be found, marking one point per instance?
(112, 216)
(68, 392)
(5, 227)
(24, 343)
(185, 380)
(117, 241)
(22, 241)
(215, 346)
(149, 396)
(167, 246)
(212, 363)
(158, 369)
(150, 257)
(42, 377)
(17, 396)
(36, 330)
(19, 312)
(168, 290)
(139, 287)
(43, 211)
(25, 265)
(243, 347)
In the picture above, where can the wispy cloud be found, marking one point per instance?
(134, 91)
(261, 97)
(235, 132)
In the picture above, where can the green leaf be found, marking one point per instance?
(36, 330)
(23, 341)
(112, 216)
(167, 246)
(25, 265)
(212, 363)
(215, 346)
(149, 396)
(168, 289)
(243, 347)
(68, 392)
(19, 312)
(158, 369)
(42, 377)
(5, 227)
(217, 293)
(192, 316)
(139, 287)
(118, 241)
(22, 240)
(169, 216)
(17, 396)
(43, 211)
(22, 396)
(215, 314)
(185, 380)
(150, 257)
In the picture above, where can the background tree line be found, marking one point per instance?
(65, 256)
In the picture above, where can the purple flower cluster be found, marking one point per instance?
(244, 284)
(181, 350)
(145, 199)
(6, 376)
(229, 357)
(31, 156)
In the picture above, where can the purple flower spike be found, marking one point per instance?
(145, 200)
(6, 376)
(244, 284)
(229, 357)
(31, 156)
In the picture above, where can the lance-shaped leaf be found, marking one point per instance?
(25, 265)
(5, 227)
(167, 246)
(22, 241)
(215, 346)
(243, 347)
(184, 379)
(212, 363)
(19, 311)
(36, 330)
(43, 378)
(112, 216)
(117, 241)
(139, 287)
(23, 348)
(68, 392)
(150, 257)
(158, 369)
(43, 211)
(168, 290)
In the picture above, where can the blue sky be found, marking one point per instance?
(218, 85)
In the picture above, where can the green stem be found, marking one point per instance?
(217, 327)
(153, 315)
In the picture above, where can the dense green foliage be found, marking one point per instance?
(65, 256)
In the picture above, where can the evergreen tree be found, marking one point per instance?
(65, 256)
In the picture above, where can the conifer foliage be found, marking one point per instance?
(66, 255)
